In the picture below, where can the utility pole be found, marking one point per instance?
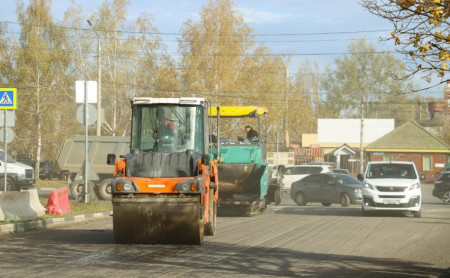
(361, 142)
(99, 82)
(286, 113)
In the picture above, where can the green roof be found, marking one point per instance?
(409, 136)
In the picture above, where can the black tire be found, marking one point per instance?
(345, 200)
(262, 204)
(10, 185)
(446, 197)
(326, 204)
(104, 189)
(210, 227)
(277, 198)
(300, 199)
(76, 189)
(417, 214)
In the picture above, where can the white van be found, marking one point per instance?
(391, 186)
(19, 175)
(294, 173)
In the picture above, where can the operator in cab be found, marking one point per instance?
(165, 126)
(251, 133)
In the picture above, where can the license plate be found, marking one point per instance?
(391, 202)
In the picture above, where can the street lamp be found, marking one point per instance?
(99, 82)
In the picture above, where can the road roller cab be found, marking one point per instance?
(165, 189)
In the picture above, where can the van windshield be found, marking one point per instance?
(391, 170)
(2, 158)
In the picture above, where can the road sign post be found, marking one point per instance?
(86, 92)
(8, 101)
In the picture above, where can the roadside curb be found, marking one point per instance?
(48, 223)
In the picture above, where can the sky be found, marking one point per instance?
(318, 31)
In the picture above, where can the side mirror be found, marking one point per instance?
(205, 159)
(360, 177)
(111, 159)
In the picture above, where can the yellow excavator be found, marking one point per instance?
(165, 190)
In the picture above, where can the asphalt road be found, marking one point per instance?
(285, 241)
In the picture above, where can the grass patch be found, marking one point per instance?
(79, 208)
(51, 183)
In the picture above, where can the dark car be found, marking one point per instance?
(46, 170)
(340, 171)
(327, 188)
(442, 188)
(445, 170)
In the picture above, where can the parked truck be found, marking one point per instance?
(72, 155)
(242, 164)
(164, 188)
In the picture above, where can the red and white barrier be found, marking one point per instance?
(58, 202)
(24, 205)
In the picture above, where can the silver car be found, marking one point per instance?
(327, 188)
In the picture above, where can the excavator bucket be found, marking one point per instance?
(157, 220)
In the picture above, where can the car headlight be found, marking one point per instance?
(368, 185)
(414, 186)
(357, 190)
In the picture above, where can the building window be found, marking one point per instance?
(427, 163)
(386, 158)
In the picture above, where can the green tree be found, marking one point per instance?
(41, 64)
(305, 100)
(6, 55)
(365, 76)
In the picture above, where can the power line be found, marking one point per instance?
(180, 34)
(216, 41)
(292, 95)
(127, 52)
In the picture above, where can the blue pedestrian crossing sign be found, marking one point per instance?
(8, 98)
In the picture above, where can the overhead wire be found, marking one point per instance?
(161, 53)
(212, 34)
(136, 53)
